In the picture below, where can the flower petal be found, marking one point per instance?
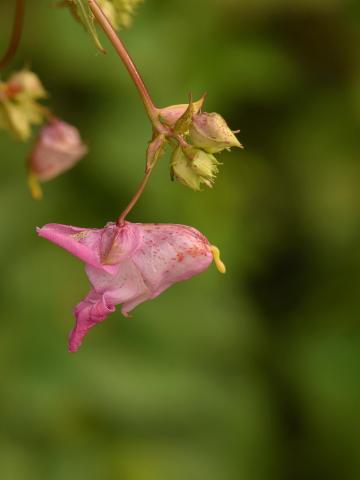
(127, 287)
(81, 242)
(90, 311)
(119, 242)
(142, 260)
(170, 254)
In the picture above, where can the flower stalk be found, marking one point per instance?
(121, 220)
(124, 55)
(151, 109)
(208, 133)
(15, 34)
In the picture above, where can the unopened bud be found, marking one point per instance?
(15, 120)
(19, 106)
(26, 83)
(58, 148)
(193, 167)
(121, 11)
(210, 132)
(182, 171)
(205, 165)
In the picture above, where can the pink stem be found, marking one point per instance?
(135, 198)
(151, 109)
(117, 43)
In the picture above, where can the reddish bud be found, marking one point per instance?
(26, 83)
(58, 148)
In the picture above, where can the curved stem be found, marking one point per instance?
(150, 107)
(15, 34)
(117, 43)
(135, 198)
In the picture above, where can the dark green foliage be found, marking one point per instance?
(253, 375)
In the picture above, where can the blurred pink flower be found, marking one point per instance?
(129, 264)
(57, 148)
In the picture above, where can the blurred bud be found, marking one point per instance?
(15, 120)
(210, 132)
(118, 12)
(57, 148)
(19, 108)
(26, 83)
(109, 11)
(193, 167)
(170, 115)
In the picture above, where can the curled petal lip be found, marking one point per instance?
(87, 315)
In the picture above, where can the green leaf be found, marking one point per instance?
(82, 13)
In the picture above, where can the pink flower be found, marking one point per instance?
(58, 148)
(129, 264)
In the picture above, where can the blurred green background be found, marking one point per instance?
(253, 375)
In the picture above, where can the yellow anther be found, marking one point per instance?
(216, 254)
(34, 186)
